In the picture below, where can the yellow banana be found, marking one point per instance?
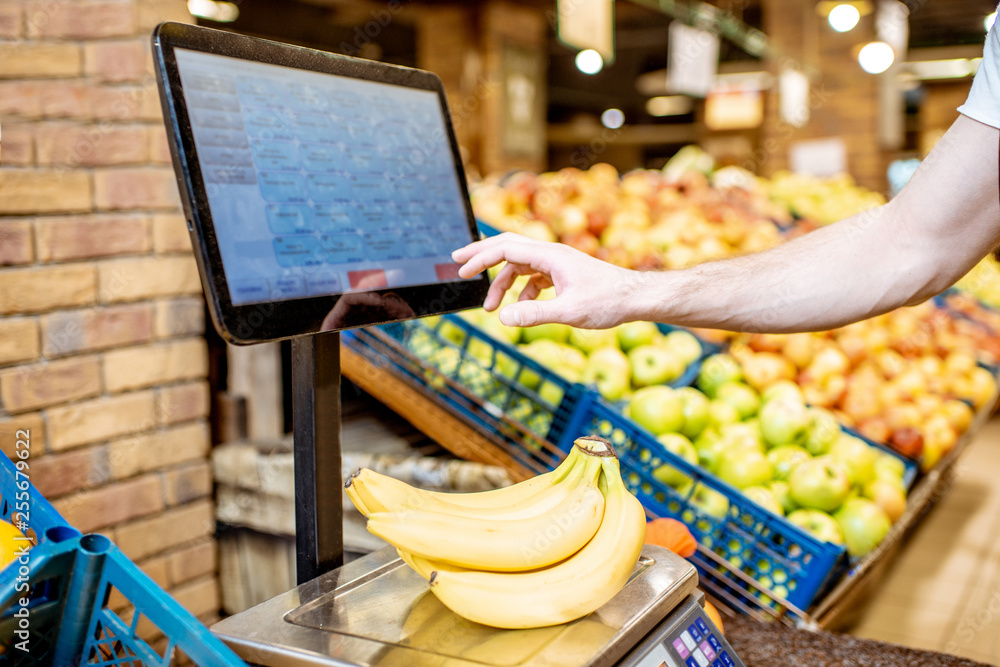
(381, 493)
(564, 591)
(501, 545)
(374, 493)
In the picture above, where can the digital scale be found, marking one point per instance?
(323, 193)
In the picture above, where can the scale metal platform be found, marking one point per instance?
(377, 612)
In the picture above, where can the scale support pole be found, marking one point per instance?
(319, 530)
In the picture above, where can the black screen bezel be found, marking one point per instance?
(279, 320)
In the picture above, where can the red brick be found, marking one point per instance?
(186, 484)
(19, 340)
(33, 60)
(29, 192)
(17, 146)
(159, 149)
(100, 419)
(37, 289)
(175, 527)
(56, 475)
(116, 62)
(200, 597)
(125, 102)
(146, 277)
(15, 243)
(151, 12)
(11, 21)
(80, 20)
(64, 100)
(181, 403)
(180, 317)
(88, 511)
(96, 329)
(135, 189)
(170, 233)
(193, 561)
(13, 429)
(65, 238)
(31, 387)
(20, 99)
(99, 145)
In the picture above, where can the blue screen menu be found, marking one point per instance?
(321, 184)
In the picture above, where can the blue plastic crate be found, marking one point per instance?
(752, 540)
(487, 382)
(76, 626)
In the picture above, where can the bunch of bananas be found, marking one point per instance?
(543, 552)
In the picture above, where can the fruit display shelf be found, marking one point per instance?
(57, 602)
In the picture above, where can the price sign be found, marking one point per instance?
(587, 24)
(693, 60)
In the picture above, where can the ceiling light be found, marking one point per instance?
(843, 18)
(876, 57)
(612, 119)
(989, 21)
(669, 105)
(214, 10)
(589, 61)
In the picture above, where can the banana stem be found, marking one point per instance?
(595, 445)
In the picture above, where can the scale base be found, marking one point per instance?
(376, 612)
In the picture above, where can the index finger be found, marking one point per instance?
(493, 251)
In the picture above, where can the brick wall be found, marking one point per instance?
(101, 320)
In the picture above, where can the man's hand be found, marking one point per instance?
(590, 294)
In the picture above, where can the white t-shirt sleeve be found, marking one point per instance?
(983, 103)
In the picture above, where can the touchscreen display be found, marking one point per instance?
(321, 184)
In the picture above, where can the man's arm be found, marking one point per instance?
(943, 222)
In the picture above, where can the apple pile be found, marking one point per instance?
(908, 379)
(643, 219)
(790, 459)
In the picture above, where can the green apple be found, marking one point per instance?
(481, 351)
(608, 368)
(857, 457)
(819, 524)
(710, 501)
(823, 431)
(863, 524)
(451, 331)
(888, 466)
(652, 365)
(511, 368)
(492, 325)
(783, 493)
(635, 334)
(742, 435)
(683, 344)
(675, 443)
(658, 409)
(765, 498)
(741, 396)
(589, 340)
(720, 413)
(820, 484)
(716, 371)
(696, 415)
(783, 389)
(889, 495)
(743, 467)
(784, 422)
(552, 394)
(473, 316)
(785, 459)
(446, 360)
(552, 331)
(711, 448)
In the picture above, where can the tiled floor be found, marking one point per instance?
(943, 593)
